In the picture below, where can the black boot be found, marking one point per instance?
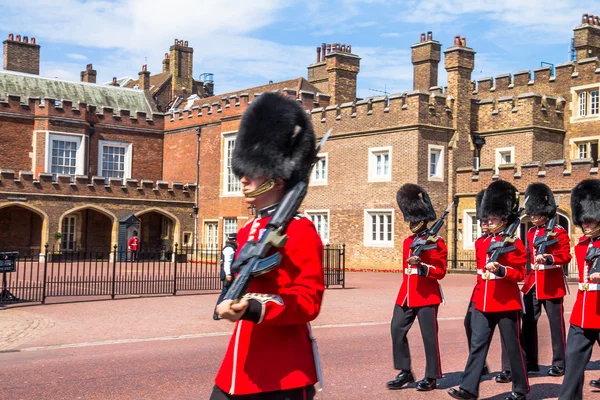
(426, 385)
(461, 394)
(516, 396)
(595, 384)
(556, 371)
(403, 378)
(504, 377)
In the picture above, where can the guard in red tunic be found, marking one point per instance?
(504, 376)
(585, 318)
(420, 293)
(497, 299)
(271, 354)
(545, 283)
(132, 245)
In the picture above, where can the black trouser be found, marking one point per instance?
(580, 344)
(303, 393)
(224, 290)
(469, 331)
(401, 323)
(555, 312)
(483, 325)
(133, 255)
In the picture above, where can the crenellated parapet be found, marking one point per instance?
(24, 183)
(518, 110)
(408, 109)
(558, 174)
(540, 80)
(51, 108)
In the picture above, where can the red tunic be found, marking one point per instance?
(481, 240)
(416, 290)
(276, 353)
(133, 243)
(548, 280)
(586, 311)
(493, 293)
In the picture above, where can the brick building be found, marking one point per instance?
(521, 127)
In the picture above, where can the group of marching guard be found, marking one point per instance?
(497, 300)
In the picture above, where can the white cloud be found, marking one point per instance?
(78, 57)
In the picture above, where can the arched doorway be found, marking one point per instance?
(159, 230)
(87, 230)
(23, 228)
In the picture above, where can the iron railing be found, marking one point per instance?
(92, 273)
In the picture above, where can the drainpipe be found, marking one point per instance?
(196, 205)
(455, 238)
(91, 131)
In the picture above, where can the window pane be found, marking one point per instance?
(113, 161)
(232, 183)
(386, 165)
(582, 103)
(582, 150)
(594, 102)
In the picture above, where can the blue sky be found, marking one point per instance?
(247, 43)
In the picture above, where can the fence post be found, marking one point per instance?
(45, 273)
(343, 266)
(175, 271)
(327, 266)
(114, 277)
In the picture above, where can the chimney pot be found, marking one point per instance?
(176, 41)
(422, 37)
(144, 67)
(429, 35)
(328, 49)
(25, 39)
(349, 48)
(166, 56)
(32, 40)
(343, 48)
(89, 67)
(584, 19)
(18, 38)
(318, 54)
(457, 40)
(185, 43)
(463, 41)
(114, 82)
(11, 36)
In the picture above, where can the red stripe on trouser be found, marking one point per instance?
(521, 349)
(437, 345)
(562, 327)
(304, 392)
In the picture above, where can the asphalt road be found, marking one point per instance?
(169, 348)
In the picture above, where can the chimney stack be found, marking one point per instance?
(181, 58)
(587, 37)
(144, 81)
(166, 63)
(425, 59)
(89, 75)
(335, 72)
(114, 82)
(21, 55)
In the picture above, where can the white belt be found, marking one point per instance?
(538, 267)
(410, 271)
(589, 287)
(487, 275)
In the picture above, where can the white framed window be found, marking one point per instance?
(320, 218)
(187, 239)
(436, 163)
(471, 229)
(229, 226)
(380, 164)
(231, 184)
(211, 235)
(67, 242)
(114, 159)
(319, 172)
(582, 104)
(585, 102)
(586, 147)
(379, 228)
(594, 102)
(505, 155)
(583, 150)
(65, 154)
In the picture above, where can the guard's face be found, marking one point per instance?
(538, 220)
(251, 183)
(589, 226)
(495, 224)
(485, 228)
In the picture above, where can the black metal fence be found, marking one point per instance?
(39, 275)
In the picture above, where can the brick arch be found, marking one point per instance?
(42, 214)
(114, 233)
(171, 216)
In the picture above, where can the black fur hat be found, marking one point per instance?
(275, 139)
(585, 201)
(541, 200)
(478, 199)
(500, 200)
(414, 203)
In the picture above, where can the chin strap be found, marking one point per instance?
(498, 228)
(265, 187)
(418, 228)
(594, 232)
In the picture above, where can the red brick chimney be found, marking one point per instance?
(587, 37)
(425, 59)
(181, 59)
(166, 63)
(335, 72)
(89, 75)
(144, 81)
(21, 55)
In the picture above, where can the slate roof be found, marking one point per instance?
(118, 98)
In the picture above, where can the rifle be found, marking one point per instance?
(592, 257)
(541, 243)
(426, 240)
(503, 246)
(252, 259)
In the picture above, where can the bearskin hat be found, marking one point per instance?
(541, 200)
(414, 203)
(275, 139)
(585, 201)
(500, 200)
(478, 199)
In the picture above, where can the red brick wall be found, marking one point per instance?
(19, 228)
(180, 156)
(16, 143)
